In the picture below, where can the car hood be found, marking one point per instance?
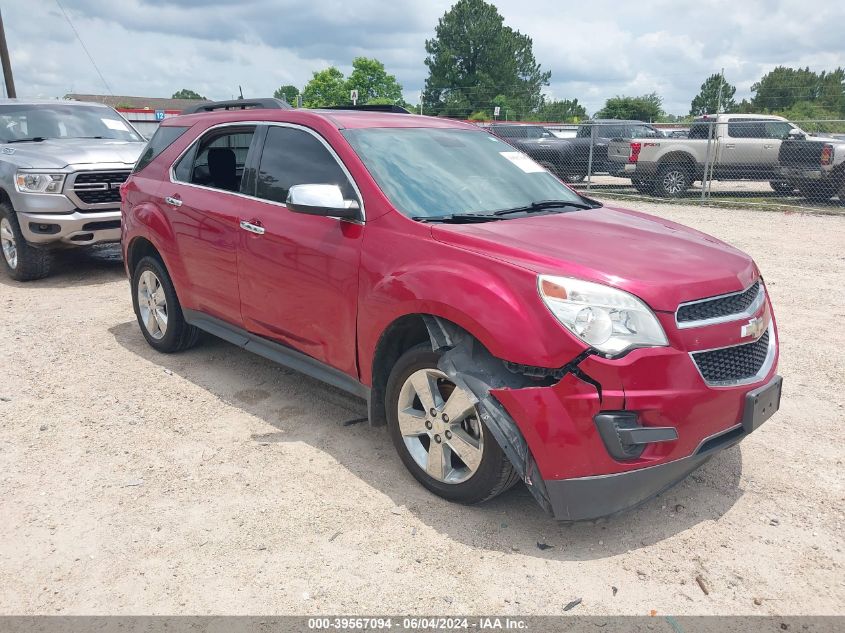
(661, 262)
(59, 153)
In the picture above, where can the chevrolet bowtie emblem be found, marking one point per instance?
(754, 328)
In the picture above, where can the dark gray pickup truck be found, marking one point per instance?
(814, 165)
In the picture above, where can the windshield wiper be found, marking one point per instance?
(34, 139)
(457, 218)
(543, 205)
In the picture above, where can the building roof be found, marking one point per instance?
(140, 103)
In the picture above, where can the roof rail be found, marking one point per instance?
(369, 107)
(238, 104)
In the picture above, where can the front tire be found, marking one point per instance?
(673, 180)
(643, 186)
(21, 260)
(439, 435)
(158, 310)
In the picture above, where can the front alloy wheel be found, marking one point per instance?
(439, 434)
(440, 426)
(8, 244)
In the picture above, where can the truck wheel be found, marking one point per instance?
(158, 310)
(21, 260)
(782, 187)
(643, 186)
(672, 180)
(439, 435)
(818, 191)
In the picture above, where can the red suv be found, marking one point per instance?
(501, 325)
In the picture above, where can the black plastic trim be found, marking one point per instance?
(369, 108)
(277, 352)
(238, 104)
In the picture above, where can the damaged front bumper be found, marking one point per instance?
(550, 428)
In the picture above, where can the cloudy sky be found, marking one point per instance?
(594, 49)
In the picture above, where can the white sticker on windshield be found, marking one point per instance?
(115, 124)
(522, 161)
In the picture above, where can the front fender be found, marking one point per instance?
(498, 304)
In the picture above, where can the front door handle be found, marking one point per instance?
(173, 202)
(252, 228)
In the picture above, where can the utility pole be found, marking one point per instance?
(7, 64)
(719, 94)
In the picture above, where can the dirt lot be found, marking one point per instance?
(216, 482)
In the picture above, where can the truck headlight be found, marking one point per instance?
(39, 182)
(610, 320)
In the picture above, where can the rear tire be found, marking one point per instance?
(818, 192)
(673, 180)
(434, 447)
(21, 260)
(782, 187)
(158, 310)
(643, 186)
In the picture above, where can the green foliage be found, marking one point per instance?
(474, 58)
(716, 95)
(326, 88)
(373, 84)
(184, 93)
(783, 88)
(288, 93)
(563, 111)
(643, 108)
(479, 115)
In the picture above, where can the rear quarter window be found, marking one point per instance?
(163, 138)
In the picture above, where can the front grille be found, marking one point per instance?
(98, 187)
(733, 364)
(718, 306)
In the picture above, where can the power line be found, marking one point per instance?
(85, 48)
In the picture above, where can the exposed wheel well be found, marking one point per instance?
(4, 197)
(138, 249)
(680, 158)
(400, 336)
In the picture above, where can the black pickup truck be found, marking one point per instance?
(569, 159)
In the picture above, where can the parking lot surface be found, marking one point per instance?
(216, 482)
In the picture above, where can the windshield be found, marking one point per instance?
(430, 172)
(20, 122)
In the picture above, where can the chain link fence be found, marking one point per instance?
(724, 160)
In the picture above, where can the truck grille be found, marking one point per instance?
(99, 187)
(731, 365)
(718, 307)
(801, 153)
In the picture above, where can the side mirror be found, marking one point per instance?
(326, 200)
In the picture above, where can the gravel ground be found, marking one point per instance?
(215, 482)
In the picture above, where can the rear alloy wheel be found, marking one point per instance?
(158, 310)
(672, 181)
(439, 434)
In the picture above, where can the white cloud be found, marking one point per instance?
(595, 50)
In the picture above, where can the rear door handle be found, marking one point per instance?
(252, 228)
(729, 146)
(173, 202)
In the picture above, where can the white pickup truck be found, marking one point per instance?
(729, 146)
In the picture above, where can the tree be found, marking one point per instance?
(326, 88)
(564, 111)
(373, 84)
(184, 93)
(783, 87)
(288, 93)
(474, 57)
(643, 108)
(716, 95)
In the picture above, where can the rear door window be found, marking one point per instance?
(746, 128)
(218, 159)
(295, 157)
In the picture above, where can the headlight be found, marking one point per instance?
(605, 318)
(34, 182)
